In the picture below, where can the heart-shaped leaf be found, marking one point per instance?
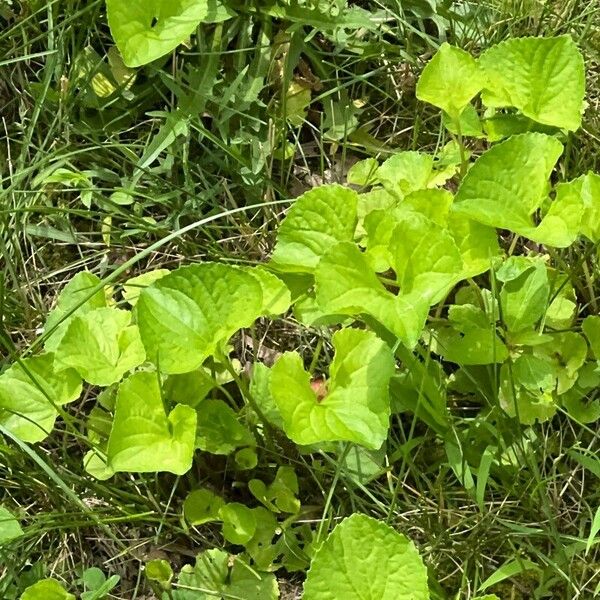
(101, 346)
(450, 80)
(184, 316)
(354, 404)
(144, 438)
(30, 391)
(543, 77)
(508, 183)
(365, 559)
(145, 30)
(316, 221)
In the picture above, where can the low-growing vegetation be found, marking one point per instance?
(299, 300)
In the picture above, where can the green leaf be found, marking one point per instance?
(246, 459)
(266, 545)
(406, 172)
(594, 529)
(502, 125)
(529, 405)
(239, 522)
(425, 258)
(477, 245)
(98, 430)
(450, 80)
(10, 529)
(94, 463)
(509, 569)
(202, 506)
(469, 124)
(280, 495)
(133, 286)
(315, 222)
(459, 465)
(508, 183)
(524, 299)
(97, 585)
(376, 199)
(433, 204)
(189, 388)
(590, 192)
(401, 238)
(101, 346)
(347, 285)
(260, 390)
(355, 406)
(591, 329)
(361, 466)
(276, 295)
(566, 352)
(581, 401)
(30, 391)
(93, 578)
(145, 30)
(533, 373)
(185, 316)
(363, 172)
(365, 559)
(213, 579)
(159, 570)
(73, 294)
(46, 589)
(143, 438)
(297, 101)
(472, 340)
(563, 308)
(562, 220)
(543, 77)
(219, 431)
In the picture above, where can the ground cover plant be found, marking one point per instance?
(385, 387)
